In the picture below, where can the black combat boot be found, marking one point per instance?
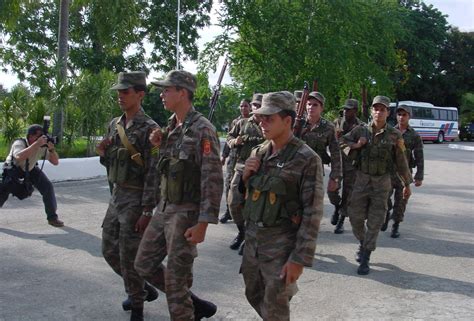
(226, 217)
(364, 268)
(137, 314)
(235, 244)
(241, 248)
(385, 223)
(359, 251)
(340, 225)
(151, 296)
(202, 308)
(395, 233)
(335, 215)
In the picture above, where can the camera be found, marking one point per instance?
(46, 123)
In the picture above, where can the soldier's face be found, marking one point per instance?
(314, 108)
(379, 113)
(403, 118)
(350, 114)
(129, 98)
(245, 109)
(172, 97)
(274, 126)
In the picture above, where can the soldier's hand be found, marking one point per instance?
(291, 272)
(50, 146)
(333, 185)
(41, 141)
(418, 182)
(239, 140)
(252, 164)
(196, 234)
(102, 146)
(142, 224)
(406, 192)
(156, 137)
(361, 142)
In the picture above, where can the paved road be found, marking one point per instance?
(59, 274)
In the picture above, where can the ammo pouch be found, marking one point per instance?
(375, 159)
(180, 180)
(122, 169)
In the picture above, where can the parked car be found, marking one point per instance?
(466, 132)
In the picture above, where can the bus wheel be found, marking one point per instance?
(440, 139)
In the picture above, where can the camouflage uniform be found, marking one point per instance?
(229, 153)
(280, 229)
(414, 155)
(120, 241)
(190, 151)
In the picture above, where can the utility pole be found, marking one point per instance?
(177, 36)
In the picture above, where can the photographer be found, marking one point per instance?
(26, 152)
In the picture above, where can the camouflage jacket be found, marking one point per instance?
(138, 130)
(321, 136)
(343, 127)
(199, 143)
(226, 150)
(387, 137)
(414, 151)
(304, 170)
(249, 130)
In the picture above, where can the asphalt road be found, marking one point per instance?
(49, 274)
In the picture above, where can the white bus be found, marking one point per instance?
(433, 123)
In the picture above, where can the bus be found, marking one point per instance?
(437, 124)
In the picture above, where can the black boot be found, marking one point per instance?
(137, 314)
(395, 233)
(340, 225)
(202, 308)
(335, 215)
(226, 217)
(235, 244)
(359, 251)
(385, 223)
(364, 268)
(152, 295)
(241, 248)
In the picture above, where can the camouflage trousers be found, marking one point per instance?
(399, 204)
(164, 237)
(120, 241)
(367, 207)
(265, 253)
(235, 199)
(229, 173)
(347, 186)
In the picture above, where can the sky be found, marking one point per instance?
(460, 13)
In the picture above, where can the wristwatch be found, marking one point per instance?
(147, 213)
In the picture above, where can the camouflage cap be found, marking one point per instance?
(275, 102)
(381, 100)
(351, 104)
(130, 79)
(179, 78)
(298, 94)
(257, 99)
(404, 108)
(318, 96)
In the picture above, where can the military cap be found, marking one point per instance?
(273, 103)
(178, 78)
(298, 94)
(381, 100)
(257, 99)
(351, 104)
(404, 108)
(130, 79)
(318, 96)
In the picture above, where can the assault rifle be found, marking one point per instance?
(298, 127)
(216, 93)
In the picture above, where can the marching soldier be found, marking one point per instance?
(283, 210)
(414, 154)
(245, 135)
(229, 154)
(190, 179)
(343, 126)
(380, 148)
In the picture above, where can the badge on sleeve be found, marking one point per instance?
(401, 144)
(206, 146)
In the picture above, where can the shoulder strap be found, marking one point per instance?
(136, 156)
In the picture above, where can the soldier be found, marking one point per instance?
(414, 154)
(344, 125)
(283, 210)
(245, 135)
(320, 134)
(229, 153)
(190, 180)
(128, 153)
(380, 148)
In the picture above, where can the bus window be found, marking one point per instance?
(427, 113)
(455, 115)
(435, 113)
(443, 114)
(417, 112)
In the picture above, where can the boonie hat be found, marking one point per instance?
(275, 102)
(179, 78)
(318, 96)
(130, 79)
(351, 104)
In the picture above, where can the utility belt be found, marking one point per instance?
(180, 181)
(123, 170)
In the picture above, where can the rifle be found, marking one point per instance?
(216, 93)
(298, 128)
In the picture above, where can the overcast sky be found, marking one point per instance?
(460, 14)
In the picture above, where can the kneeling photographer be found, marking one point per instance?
(21, 171)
